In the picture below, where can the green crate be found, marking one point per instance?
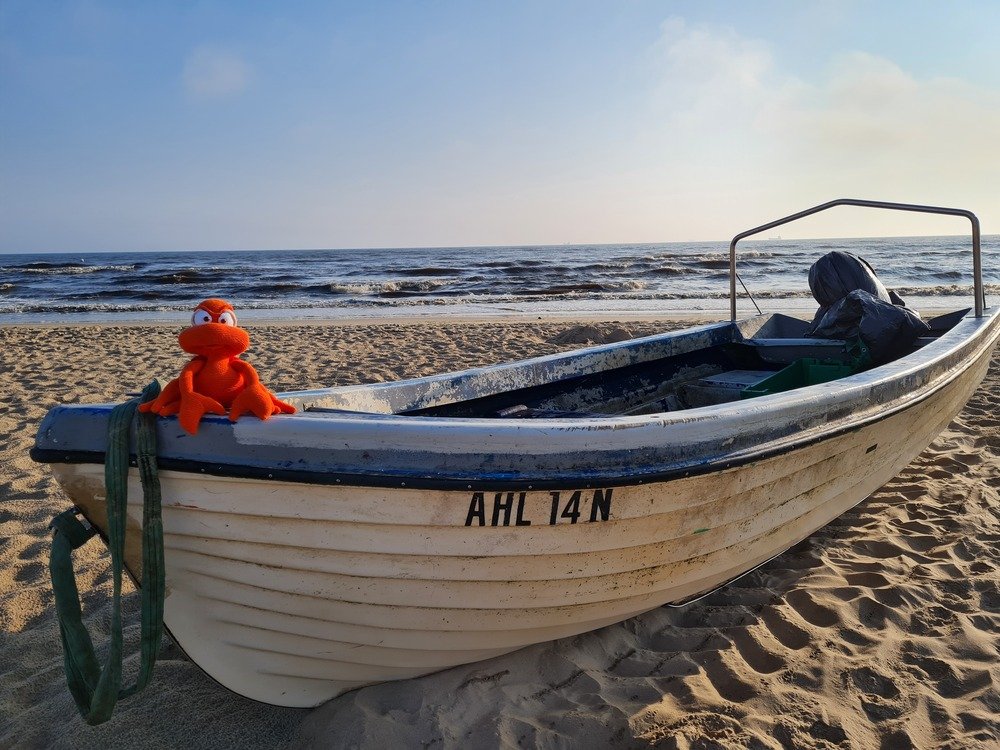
(800, 373)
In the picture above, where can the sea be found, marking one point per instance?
(667, 278)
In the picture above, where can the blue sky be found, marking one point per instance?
(227, 125)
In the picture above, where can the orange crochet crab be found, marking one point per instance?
(216, 379)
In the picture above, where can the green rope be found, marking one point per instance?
(95, 688)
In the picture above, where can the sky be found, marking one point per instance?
(242, 125)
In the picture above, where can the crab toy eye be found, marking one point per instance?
(201, 317)
(228, 318)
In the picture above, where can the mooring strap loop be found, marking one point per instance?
(76, 532)
(95, 688)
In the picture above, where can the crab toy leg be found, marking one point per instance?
(255, 398)
(168, 402)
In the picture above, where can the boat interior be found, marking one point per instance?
(715, 375)
(764, 355)
(759, 356)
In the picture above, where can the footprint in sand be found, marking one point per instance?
(872, 613)
(989, 597)
(786, 633)
(758, 658)
(880, 696)
(868, 579)
(805, 604)
(724, 679)
(856, 637)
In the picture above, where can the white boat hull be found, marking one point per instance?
(292, 593)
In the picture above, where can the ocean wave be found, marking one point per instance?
(408, 287)
(943, 290)
(930, 273)
(776, 293)
(73, 269)
(430, 271)
(378, 288)
(740, 253)
(597, 289)
(629, 285)
(411, 290)
(272, 288)
(359, 288)
(525, 270)
(122, 294)
(188, 276)
(610, 266)
(672, 271)
(715, 260)
(49, 264)
(519, 265)
(64, 309)
(564, 289)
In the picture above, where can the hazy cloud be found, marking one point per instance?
(864, 126)
(211, 72)
(703, 71)
(872, 105)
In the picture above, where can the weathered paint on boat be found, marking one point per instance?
(385, 546)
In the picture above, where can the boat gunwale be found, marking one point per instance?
(980, 333)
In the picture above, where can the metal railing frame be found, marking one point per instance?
(977, 262)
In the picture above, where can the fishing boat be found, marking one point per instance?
(391, 530)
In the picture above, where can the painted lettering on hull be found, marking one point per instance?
(510, 508)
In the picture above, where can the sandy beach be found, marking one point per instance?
(882, 630)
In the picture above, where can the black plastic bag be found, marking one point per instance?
(837, 274)
(887, 330)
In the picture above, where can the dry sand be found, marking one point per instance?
(880, 631)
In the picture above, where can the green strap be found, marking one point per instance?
(95, 688)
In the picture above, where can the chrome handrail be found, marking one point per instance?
(977, 262)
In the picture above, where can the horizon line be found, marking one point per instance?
(526, 246)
